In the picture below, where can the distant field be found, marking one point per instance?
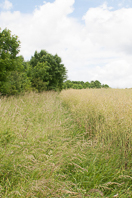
(74, 144)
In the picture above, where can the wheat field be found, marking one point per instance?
(76, 143)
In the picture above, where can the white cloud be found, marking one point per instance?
(110, 29)
(7, 5)
(117, 72)
(100, 49)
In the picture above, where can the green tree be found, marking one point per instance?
(86, 85)
(9, 48)
(92, 85)
(80, 86)
(105, 86)
(75, 86)
(67, 84)
(13, 78)
(97, 84)
(47, 71)
(40, 76)
(17, 82)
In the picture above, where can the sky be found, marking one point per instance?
(92, 37)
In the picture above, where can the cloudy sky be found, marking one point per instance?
(93, 37)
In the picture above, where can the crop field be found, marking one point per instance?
(77, 143)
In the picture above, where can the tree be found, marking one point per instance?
(92, 85)
(81, 85)
(13, 78)
(97, 84)
(105, 86)
(86, 85)
(47, 72)
(67, 84)
(9, 48)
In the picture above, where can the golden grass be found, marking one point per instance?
(73, 144)
(103, 114)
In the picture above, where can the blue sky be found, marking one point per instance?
(80, 6)
(93, 37)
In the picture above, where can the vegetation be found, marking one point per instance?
(76, 143)
(13, 79)
(83, 85)
(43, 72)
(73, 144)
(104, 119)
(47, 72)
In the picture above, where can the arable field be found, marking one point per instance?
(74, 144)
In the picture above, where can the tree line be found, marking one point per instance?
(83, 85)
(42, 72)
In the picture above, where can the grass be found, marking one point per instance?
(105, 119)
(73, 144)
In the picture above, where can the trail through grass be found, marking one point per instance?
(73, 144)
(35, 133)
(104, 117)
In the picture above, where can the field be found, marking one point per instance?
(77, 143)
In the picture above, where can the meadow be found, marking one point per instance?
(77, 143)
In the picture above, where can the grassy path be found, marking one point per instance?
(47, 152)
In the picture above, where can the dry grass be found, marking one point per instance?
(104, 114)
(104, 117)
(76, 144)
(34, 131)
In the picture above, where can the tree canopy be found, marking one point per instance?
(83, 85)
(13, 79)
(9, 48)
(47, 71)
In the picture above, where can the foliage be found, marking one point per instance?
(105, 86)
(95, 84)
(43, 72)
(47, 72)
(83, 85)
(13, 79)
(9, 48)
(18, 82)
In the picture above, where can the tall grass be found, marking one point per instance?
(73, 144)
(35, 131)
(104, 114)
(105, 119)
